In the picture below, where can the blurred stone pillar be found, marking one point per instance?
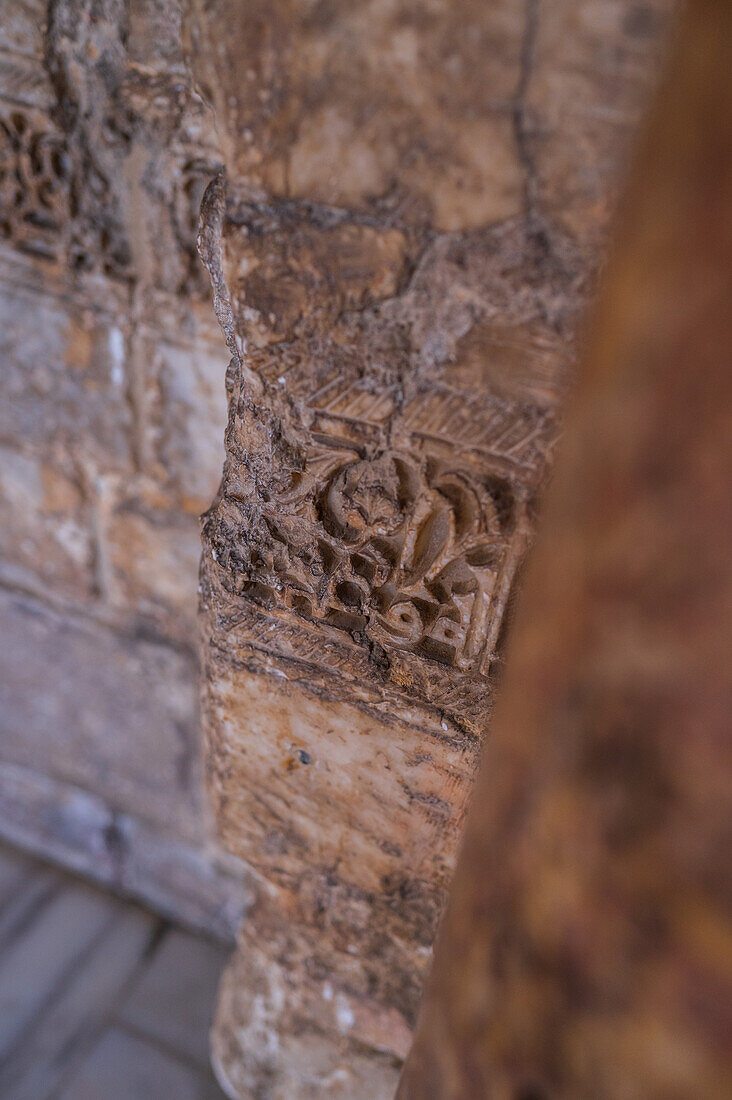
(586, 947)
(413, 204)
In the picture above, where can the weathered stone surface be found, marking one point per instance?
(186, 411)
(46, 536)
(63, 385)
(152, 550)
(414, 202)
(586, 947)
(113, 713)
(374, 483)
(333, 105)
(112, 409)
(195, 885)
(21, 31)
(399, 299)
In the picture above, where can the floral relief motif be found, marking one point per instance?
(399, 552)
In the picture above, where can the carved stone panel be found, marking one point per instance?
(380, 471)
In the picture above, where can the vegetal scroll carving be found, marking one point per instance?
(398, 551)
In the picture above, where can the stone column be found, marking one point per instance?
(586, 948)
(413, 203)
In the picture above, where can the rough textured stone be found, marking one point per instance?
(399, 298)
(415, 200)
(64, 379)
(114, 713)
(152, 551)
(112, 410)
(186, 403)
(196, 886)
(46, 536)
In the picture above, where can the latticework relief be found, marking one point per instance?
(41, 211)
(105, 150)
(40, 208)
(34, 182)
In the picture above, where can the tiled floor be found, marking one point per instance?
(99, 999)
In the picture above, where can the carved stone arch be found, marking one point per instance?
(412, 207)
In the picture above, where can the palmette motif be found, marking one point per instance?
(396, 552)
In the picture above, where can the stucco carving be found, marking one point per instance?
(381, 466)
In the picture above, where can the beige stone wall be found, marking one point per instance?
(112, 409)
